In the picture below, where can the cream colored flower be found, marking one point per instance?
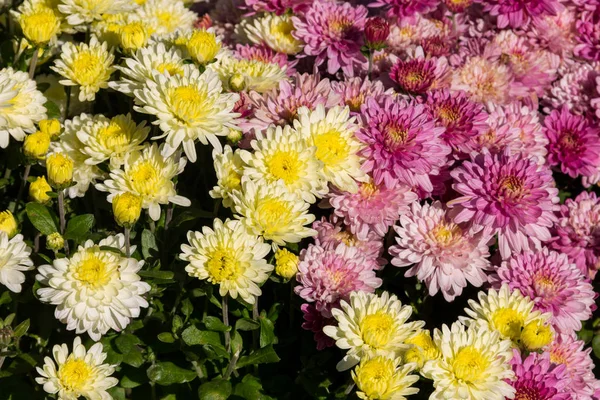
(94, 290)
(166, 16)
(260, 76)
(80, 12)
(14, 259)
(276, 32)
(228, 167)
(382, 377)
(40, 24)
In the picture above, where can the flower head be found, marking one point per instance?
(536, 377)
(286, 263)
(166, 16)
(355, 91)
(377, 30)
(36, 145)
(516, 13)
(14, 259)
(38, 190)
(228, 167)
(405, 8)
(484, 80)
(314, 321)
(278, 7)
(421, 350)
(382, 377)
(127, 208)
(276, 32)
(59, 167)
(260, 75)
(588, 36)
(40, 24)
(418, 74)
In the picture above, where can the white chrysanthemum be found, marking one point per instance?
(87, 66)
(144, 64)
(21, 105)
(147, 174)
(260, 76)
(113, 138)
(371, 325)
(332, 133)
(276, 32)
(77, 374)
(228, 167)
(282, 155)
(382, 377)
(272, 212)
(474, 364)
(14, 259)
(228, 256)
(167, 16)
(505, 311)
(95, 290)
(188, 108)
(80, 12)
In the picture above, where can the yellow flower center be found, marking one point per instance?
(536, 335)
(332, 149)
(445, 233)
(285, 165)
(377, 329)
(87, 68)
(347, 238)
(114, 136)
(41, 26)
(369, 190)
(282, 27)
(144, 178)
(273, 214)
(469, 364)
(223, 266)
(166, 20)
(374, 376)
(558, 357)
(203, 46)
(93, 271)
(233, 180)
(512, 184)
(395, 136)
(74, 374)
(170, 67)
(544, 285)
(355, 102)
(189, 104)
(448, 114)
(508, 322)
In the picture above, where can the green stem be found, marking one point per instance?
(370, 70)
(67, 102)
(127, 233)
(225, 311)
(22, 187)
(33, 62)
(61, 216)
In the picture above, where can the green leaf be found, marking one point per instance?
(267, 332)
(148, 243)
(191, 214)
(218, 389)
(165, 275)
(167, 373)
(237, 343)
(215, 324)
(41, 218)
(52, 110)
(596, 345)
(133, 377)
(79, 227)
(246, 324)
(166, 337)
(187, 308)
(22, 328)
(250, 389)
(126, 342)
(117, 393)
(261, 356)
(192, 336)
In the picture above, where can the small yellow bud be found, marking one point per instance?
(203, 46)
(40, 25)
(8, 224)
(60, 170)
(38, 190)
(234, 136)
(536, 335)
(237, 82)
(286, 263)
(51, 127)
(133, 36)
(422, 349)
(126, 208)
(55, 242)
(36, 145)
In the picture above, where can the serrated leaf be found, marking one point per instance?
(261, 356)
(40, 218)
(148, 243)
(218, 389)
(52, 110)
(246, 324)
(215, 324)
(192, 336)
(166, 373)
(267, 332)
(79, 227)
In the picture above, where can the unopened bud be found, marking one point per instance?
(51, 127)
(377, 31)
(8, 224)
(36, 145)
(60, 170)
(237, 82)
(38, 190)
(55, 242)
(127, 208)
(286, 263)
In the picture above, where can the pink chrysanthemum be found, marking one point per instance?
(463, 119)
(265, 54)
(511, 194)
(574, 143)
(484, 80)
(446, 255)
(333, 32)
(278, 7)
(537, 378)
(553, 283)
(411, 31)
(405, 8)
(588, 36)
(373, 208)
(403, 143)
(575, 88)
(437, 46)
(577, 232)
(418, 74)
(314, 321)
(329, 235)
(328, 276)
(518, 13)
(568, 351)
(354, 91)
(555, 33)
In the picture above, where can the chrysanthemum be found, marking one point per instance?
(382, 377)
(474, 364)
(94, 290)
(332, 132)
(272, 212)
(577, 232)
(79, 12)
(188, 108)
(328, 276)
(510, 194)
(355, 91)
(110, 139)
(418, 74)
(574, 143)
(575, 89)
(484, 80)
(87, 66)
(80, 373)
(282, 155)
(333, 32)
(228, 168)
(463, 119)
(274, 31)
(403, 143)
(278, 7)
(445, 255)
(167, 16)
(518, 13)
(421, 350)
(508, 312)
(147, 174)
(21, 105)
(373, 208)
(554, 284)
(257, 75)
(588, 36)
(371, 325)
(14, 259)
(228, 256)
(536, 377)
(405, 8)
(556, 32)
(314, 321)
(265, 54)
(203, 46)
(40, 24)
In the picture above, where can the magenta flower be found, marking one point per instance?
(577, 232)
(328, 276)
(537, 378)
(355, 91)
(373, 209)
(553, 283)
(574, 143)
(314, 321)
(445, 255)
(518, 13)
(405, 8)
(333, 32)
(418, 74)
(403, 143)
(588, 36)
(458, 6)
(437, 46)
(463, 119)
(278, 7)
(511, 194)
(377, 30)
(265, 54)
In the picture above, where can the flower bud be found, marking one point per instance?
(127, 208)
(203, 46)
(8, 224)
(6, 336)
(286, 264)
(60, 170)
(38, 190)
(39, 24)
(133, 36)
(377, 31)
(234, 136)
(458, 6)
(237, 82)
(36, 145)
(51, 127)
(536, 335)
(55, 242)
